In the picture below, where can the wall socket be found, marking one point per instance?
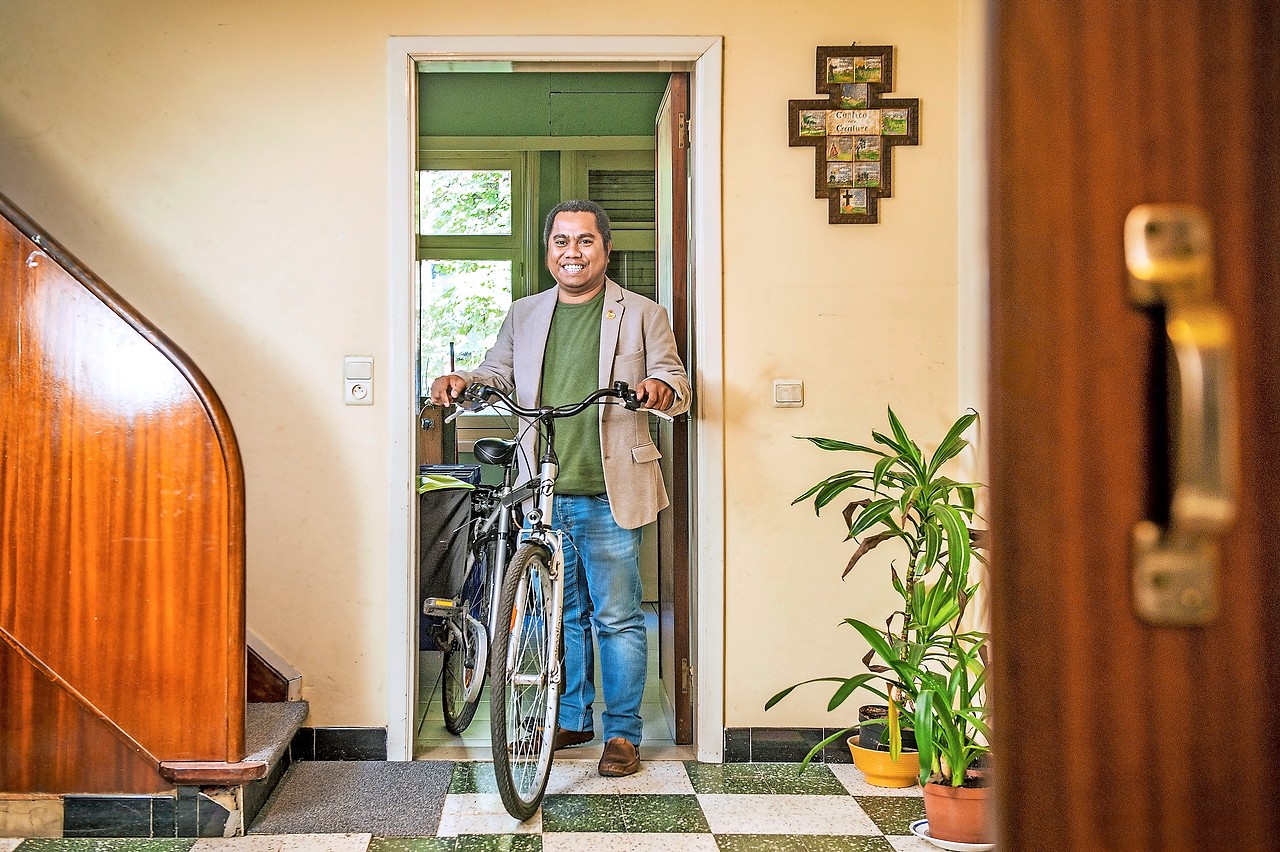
(357, 380)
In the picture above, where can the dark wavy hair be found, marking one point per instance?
(580, 205)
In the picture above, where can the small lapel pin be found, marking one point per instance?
(608, 315)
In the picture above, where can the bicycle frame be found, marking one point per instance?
(540, 531)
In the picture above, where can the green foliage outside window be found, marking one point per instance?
(463, 303)
(463, 300)
(466, 202)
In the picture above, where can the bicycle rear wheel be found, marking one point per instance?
(523, 697)
(466, 657)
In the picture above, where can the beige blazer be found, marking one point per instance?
(636, 343)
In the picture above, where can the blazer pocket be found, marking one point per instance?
(629, 368)
(645, 453)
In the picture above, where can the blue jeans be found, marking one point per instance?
(601, 587)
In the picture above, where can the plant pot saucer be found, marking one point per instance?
(920, 828)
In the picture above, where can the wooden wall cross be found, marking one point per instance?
(854, 130)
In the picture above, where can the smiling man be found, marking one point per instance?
(558, 347)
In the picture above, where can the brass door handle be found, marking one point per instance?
(1169, 254)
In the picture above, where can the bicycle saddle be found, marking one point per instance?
(494, 451)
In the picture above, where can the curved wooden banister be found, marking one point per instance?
(122, 558)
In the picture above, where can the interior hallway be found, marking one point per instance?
(668, 805)
(673, 803)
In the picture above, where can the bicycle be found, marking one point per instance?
(526, 676)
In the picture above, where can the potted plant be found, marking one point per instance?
(947, 690)
(905, 496)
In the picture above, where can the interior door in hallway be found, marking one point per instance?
(1113, 732)
(674, 522)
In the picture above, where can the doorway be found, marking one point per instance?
(703, 54)
(498, 148)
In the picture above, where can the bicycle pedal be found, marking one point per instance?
(444, 607)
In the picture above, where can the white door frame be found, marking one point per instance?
(707, 478)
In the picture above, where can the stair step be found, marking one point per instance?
(269, 728)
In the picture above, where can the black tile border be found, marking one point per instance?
(164, 816)
(106, 816)
(211, 817)
(782, 745)
(737, 745)
(188, 818)
(190, 813)
(303, 745)
(339, 744)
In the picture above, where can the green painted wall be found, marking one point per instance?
(539, 104)
(548, 197)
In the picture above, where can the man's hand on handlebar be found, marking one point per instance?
(446, 390)
(655, 394)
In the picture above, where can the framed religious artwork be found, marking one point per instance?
(853, 130)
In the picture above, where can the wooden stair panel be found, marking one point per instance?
(265, 684)
(122, 497)
(54, 744)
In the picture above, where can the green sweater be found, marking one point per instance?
(571, 371)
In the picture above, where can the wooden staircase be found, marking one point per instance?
(122, 563)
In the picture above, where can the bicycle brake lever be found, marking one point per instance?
(461, 406)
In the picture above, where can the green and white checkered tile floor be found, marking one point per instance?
(668, 805)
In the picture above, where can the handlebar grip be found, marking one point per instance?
(474, 392)
(472, 398)
(627, 394)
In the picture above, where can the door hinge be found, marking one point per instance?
(684, 131)
(686, 671)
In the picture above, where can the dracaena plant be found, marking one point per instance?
(905, 496)
(944, 682)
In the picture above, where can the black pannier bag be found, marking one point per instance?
(443, 517)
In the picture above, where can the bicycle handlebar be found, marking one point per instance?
(479, 394)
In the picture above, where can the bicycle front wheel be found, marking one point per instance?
(524, 698)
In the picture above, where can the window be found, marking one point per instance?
(471, 249)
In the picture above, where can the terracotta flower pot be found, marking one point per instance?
(958, 814)
(881, 770)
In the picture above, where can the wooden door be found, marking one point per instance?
(1112, 732)
(673, 523)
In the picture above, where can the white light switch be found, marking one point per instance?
(357, 380)
(788, 393)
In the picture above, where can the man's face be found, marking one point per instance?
(577, 256)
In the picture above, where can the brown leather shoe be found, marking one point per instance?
(620, 758)
(566, 738)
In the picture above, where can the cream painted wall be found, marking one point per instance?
(223, 166)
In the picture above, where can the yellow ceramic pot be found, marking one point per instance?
(881, 770)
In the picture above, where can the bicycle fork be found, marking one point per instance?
(552, 629)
